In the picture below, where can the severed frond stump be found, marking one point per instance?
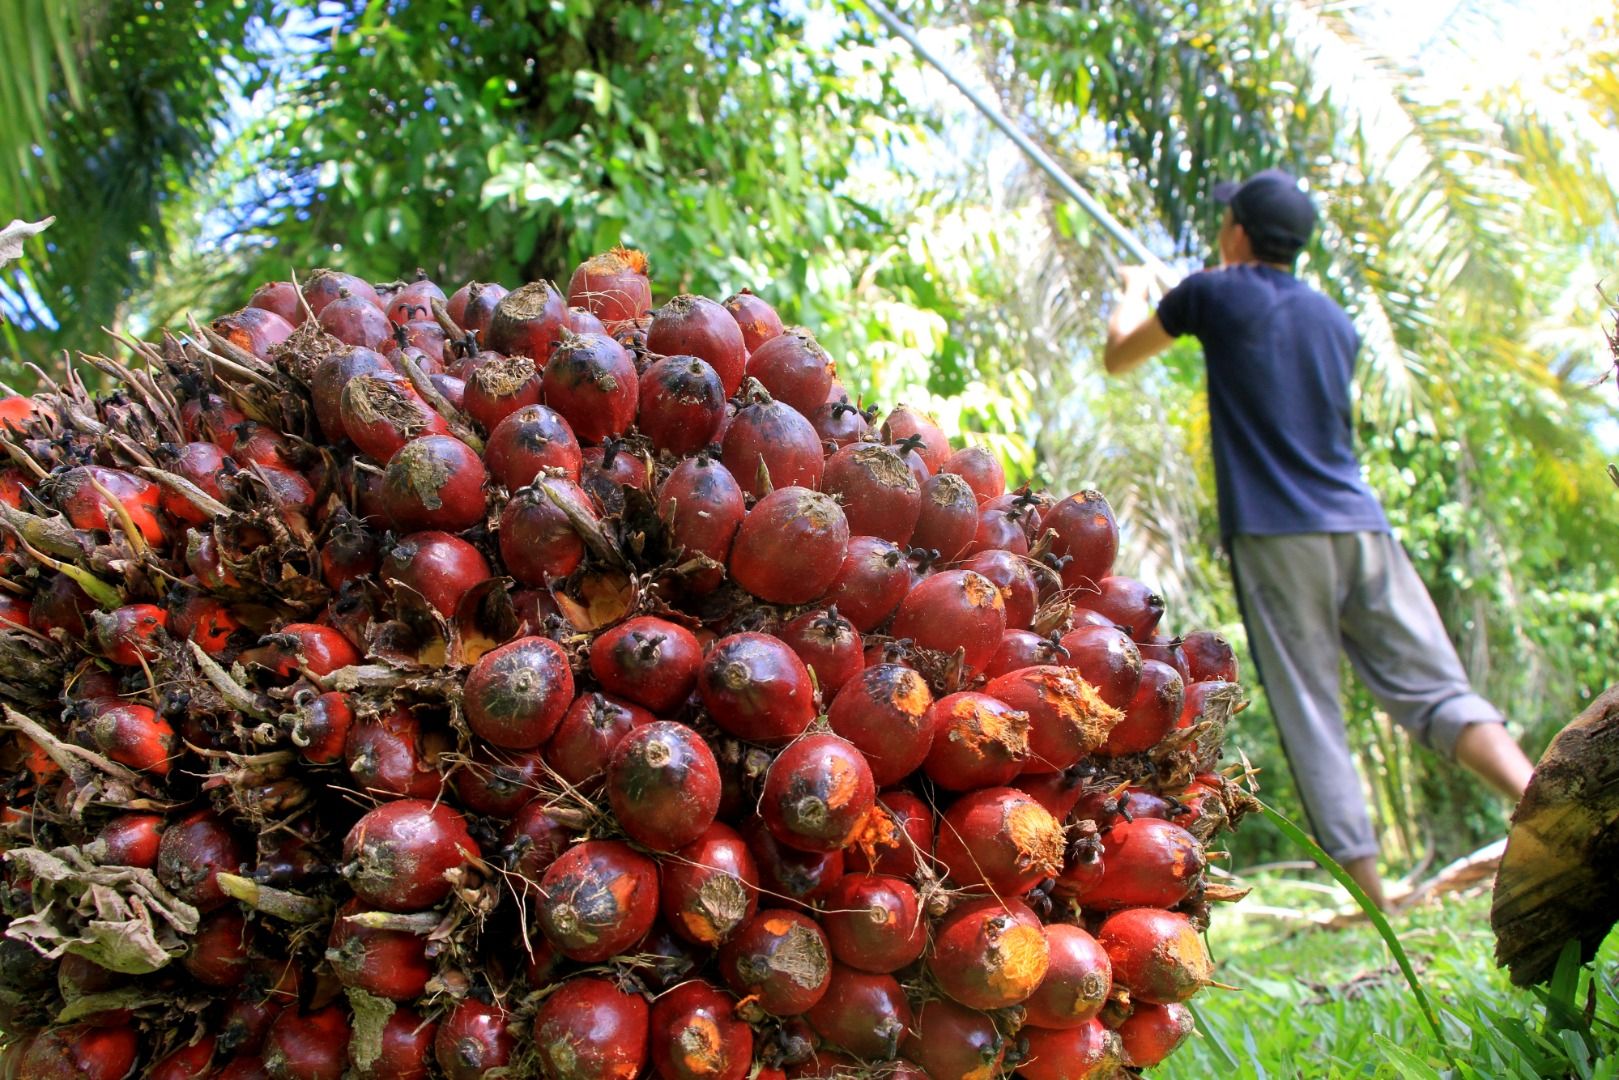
(1559, 878)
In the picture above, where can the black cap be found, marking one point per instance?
(1278, 215)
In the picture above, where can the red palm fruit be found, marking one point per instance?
(1194, 707)
(397, 855)
(697, 326)
(515, 695)
(435, 482)
(794, 368)
(953, 1043)
(904, 422)
(473, 1039)
(695, 1034)
(193, 853)
(990, 953)
(702, 507)
(1000, 838)
(1058, 792)
(874, 922)
(248, 1017)
(257, 444)
(1077, 980)
(87, 508)
(838, 423)
(756, 319)
(790, 547)
(193, 1062)
(682, 404)
(128, 840)
(879, 495)
(438, 567)
(651, 661)
(331, 376)
(538, 541)
(980, 468)
(817, 793)
(1104, 807)
(948, 519)
(605, 471)
(670, 959)
(389, 757)
(579, 750)
(862, 1012)
(1206, 656)
(664, 785)
(280, 297)
(391, 964)
(772, 437)
(781, 958)
(597, 900)
(755, 687)
(710, 887)
(803, 877)
(529, 321)
(247, 1066)
(472, 306)
(872, 581)
(1152, 1032)
(415, 300)
(350, 551)
(1160, 647)
(255, 330)
(591, 382)
(84, 1051)
(355, 320)
(324, 286)
(406, 1048)
(134, 735)
(1132, 606)
(307, 647)
(978, 741)
(1087, 535)
(217, 955)
(1152, 712)
(612, 286)
(1087, 1052)
(581, 321)
(210, 418)
(829, 645)
(1066, 718)
(128, 635)
(1081, 617)
(498, 388)
(998, 530)
(1156, 955)
(321, 725)
(955, 609)
(1107, 659)
(499, 783)
(1014, 577)
(885, 711)
(900, 842)
(1147, 863)
(529, 440)
(381, 412)
(534, 839)
(589, 1029)
(1019, 650)
(201, 463)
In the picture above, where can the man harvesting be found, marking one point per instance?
(1317, 570)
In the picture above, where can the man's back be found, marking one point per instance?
(1280, 359)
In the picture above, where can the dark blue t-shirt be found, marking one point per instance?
(1280, 357)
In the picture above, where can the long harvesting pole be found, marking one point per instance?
(1047, 164)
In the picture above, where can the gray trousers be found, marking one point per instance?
(1307, 596)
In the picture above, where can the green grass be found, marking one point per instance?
(1332, 1003)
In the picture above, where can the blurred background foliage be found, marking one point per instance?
(192, 150)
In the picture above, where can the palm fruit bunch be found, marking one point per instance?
(533, 683)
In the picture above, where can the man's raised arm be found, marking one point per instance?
(1134, 334)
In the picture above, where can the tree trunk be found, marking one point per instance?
(1559, 878)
